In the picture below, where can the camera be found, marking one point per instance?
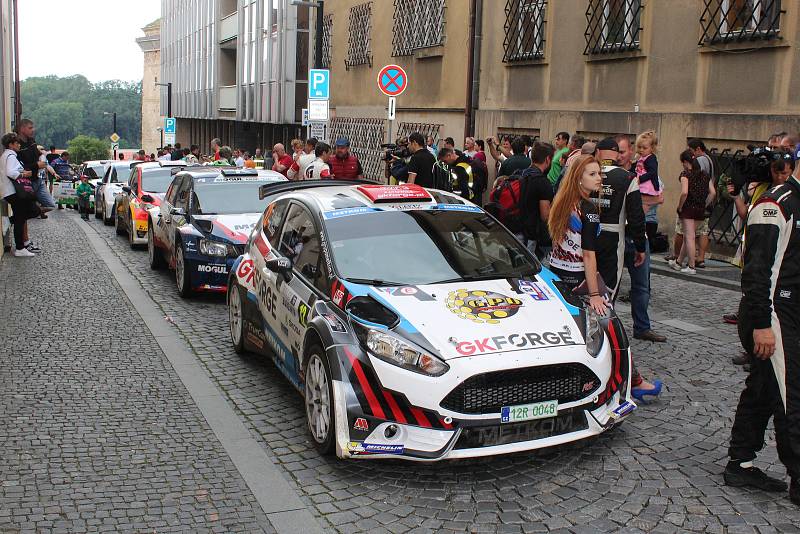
(755, 167)
(392, 150)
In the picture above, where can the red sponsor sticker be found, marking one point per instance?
(361, 424)
(394, 193)
(245, 271)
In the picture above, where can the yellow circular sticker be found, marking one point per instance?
(482, 306)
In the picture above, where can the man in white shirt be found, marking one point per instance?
(319, 169)
(298, 169)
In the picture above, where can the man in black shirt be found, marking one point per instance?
(537, 195)
(420, 168)
(28, 157)
(518, 162)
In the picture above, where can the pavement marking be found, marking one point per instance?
(275, 495)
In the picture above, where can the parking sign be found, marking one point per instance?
(319, 84)
(169, 125)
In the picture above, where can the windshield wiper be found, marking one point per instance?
(479, 277)
(374, 282)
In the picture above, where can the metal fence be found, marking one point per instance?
(737, 20)
(524, 30)
(725, 226)
(612, 26)
(365, 136)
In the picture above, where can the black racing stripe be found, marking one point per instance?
(377, 390)
(362, 399)
(405, 407)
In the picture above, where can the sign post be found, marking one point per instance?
(114, 143)
(392, 81)
(317, 115)
(170, 131)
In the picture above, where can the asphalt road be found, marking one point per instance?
(659, 472)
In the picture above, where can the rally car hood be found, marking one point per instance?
(231, 228)
(485, 317)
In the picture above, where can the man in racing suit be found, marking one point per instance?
(621, 214)
(769, 329)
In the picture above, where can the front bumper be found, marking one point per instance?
(413, 425)
(208, 273)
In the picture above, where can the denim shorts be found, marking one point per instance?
(43, 196)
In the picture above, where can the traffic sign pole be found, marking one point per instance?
(392, 81)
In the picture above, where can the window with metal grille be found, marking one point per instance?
(359, 43)
(327, 41)
(740, 20)
(612, 26)
(524, 30)
(417, 24)
(365, 136)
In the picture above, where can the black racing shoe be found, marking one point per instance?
(794, 491)
(737, 476)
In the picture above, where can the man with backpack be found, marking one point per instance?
(537, 195)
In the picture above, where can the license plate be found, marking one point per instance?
(526, 412)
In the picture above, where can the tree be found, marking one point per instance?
(63, 108)
(84, 148)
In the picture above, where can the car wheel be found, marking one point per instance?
(98, 204)
(131, 233)
(319, 400)
(236, 317)
(153, 254)
(181, 273)
(117, 224)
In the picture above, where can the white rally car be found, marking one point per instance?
(416, 326)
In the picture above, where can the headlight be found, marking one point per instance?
(213, 248)
(394, 350)
(594, 333)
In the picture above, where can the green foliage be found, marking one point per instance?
(84, 148)
(63, 108)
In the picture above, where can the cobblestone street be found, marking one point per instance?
(99, 433)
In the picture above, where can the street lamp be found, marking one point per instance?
(161, 131)
(168, 85)
(319, 5)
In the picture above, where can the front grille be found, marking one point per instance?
(566, 422)
(489, 392)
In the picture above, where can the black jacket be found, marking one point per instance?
(772, 253)
(620, 204)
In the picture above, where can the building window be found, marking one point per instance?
(524, 30)
(359, 43)
(740, 20)
(612, 26)
(365, 136)
(327, 41)
(417, 24)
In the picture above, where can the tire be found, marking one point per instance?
(182, 273)
(117, 225)
(320, 414)
(131, 233)
(108, 221)
(236, 317)
(97, 204)
(61, 206)
(156, 259)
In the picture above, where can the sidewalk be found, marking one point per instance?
(717, 273)
(98, 432)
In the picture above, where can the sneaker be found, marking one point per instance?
(674, 265)
(33, 249)
(23, 253)
(731, 318)
(737, 476)
(688, 270)
(794, 491)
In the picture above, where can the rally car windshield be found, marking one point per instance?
(426, 247)
(156, 180)
(227, 197)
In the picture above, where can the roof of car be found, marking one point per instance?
(330, 196)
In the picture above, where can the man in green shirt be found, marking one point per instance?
(561, 142)
(84, 193)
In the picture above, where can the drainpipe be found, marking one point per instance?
(473, 65)
(17, 101)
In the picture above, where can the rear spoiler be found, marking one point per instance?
(281, 187)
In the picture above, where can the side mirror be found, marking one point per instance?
(148, 199)
(177, 212)
(281, 266)
(126, 188)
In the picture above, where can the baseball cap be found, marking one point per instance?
(342, 141)
(608, 144)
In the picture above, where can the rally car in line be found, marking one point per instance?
(145, 188)
(116, 175)
(416, 326)
(64, 191)
(202, 224)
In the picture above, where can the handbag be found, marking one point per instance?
(23, 187)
